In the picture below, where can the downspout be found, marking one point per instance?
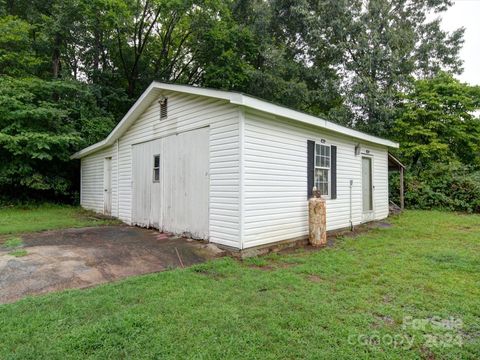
(118, 179)
(241, 135)
(351, 217)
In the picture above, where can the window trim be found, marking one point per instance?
(156, 168)
(329, 168)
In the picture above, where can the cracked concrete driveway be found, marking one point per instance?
(76, 258)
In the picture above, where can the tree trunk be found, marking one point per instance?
(56, 63)
(131, 86)
(97, 46)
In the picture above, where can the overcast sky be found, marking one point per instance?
(466, 13)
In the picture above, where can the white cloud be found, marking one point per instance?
(466, 13)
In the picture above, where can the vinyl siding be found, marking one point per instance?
(274, 198)
(380, 181)
(91, 180)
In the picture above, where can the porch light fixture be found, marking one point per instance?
(357, 149)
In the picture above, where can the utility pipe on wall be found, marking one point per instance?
(351, 216)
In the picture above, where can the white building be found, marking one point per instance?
(231, 168)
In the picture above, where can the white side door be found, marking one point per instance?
(107, 186)
(367, 189)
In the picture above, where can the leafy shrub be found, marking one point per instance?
(442, 186)
(42, 123)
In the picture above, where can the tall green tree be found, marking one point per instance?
(438, 131)
(386, 45)
(17, 53)
(157, 39)
(282, 67)
(41, 124)
(437, 123)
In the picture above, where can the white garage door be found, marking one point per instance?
(171, 183)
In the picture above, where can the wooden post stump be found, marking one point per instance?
(317, 221)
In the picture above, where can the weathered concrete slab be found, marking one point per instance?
(76, 258)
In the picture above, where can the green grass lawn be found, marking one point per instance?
(386, 294)
(14, 220)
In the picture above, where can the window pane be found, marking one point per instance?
(156, 168)
(324, 176)
(322, 162)
(324, 189)
(321, 180)
(322, 156)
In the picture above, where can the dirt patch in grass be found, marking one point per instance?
(315, 278)
(387, 299)
(263, 268)
(269, 262)
(385, 319)
(210, 273)
(427, 353)
(285, 265)
(469, 228)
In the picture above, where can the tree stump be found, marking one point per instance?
(317, 221)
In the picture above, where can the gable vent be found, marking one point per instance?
(163, 108)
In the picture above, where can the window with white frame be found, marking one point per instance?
(156, 168)
(322, 168)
